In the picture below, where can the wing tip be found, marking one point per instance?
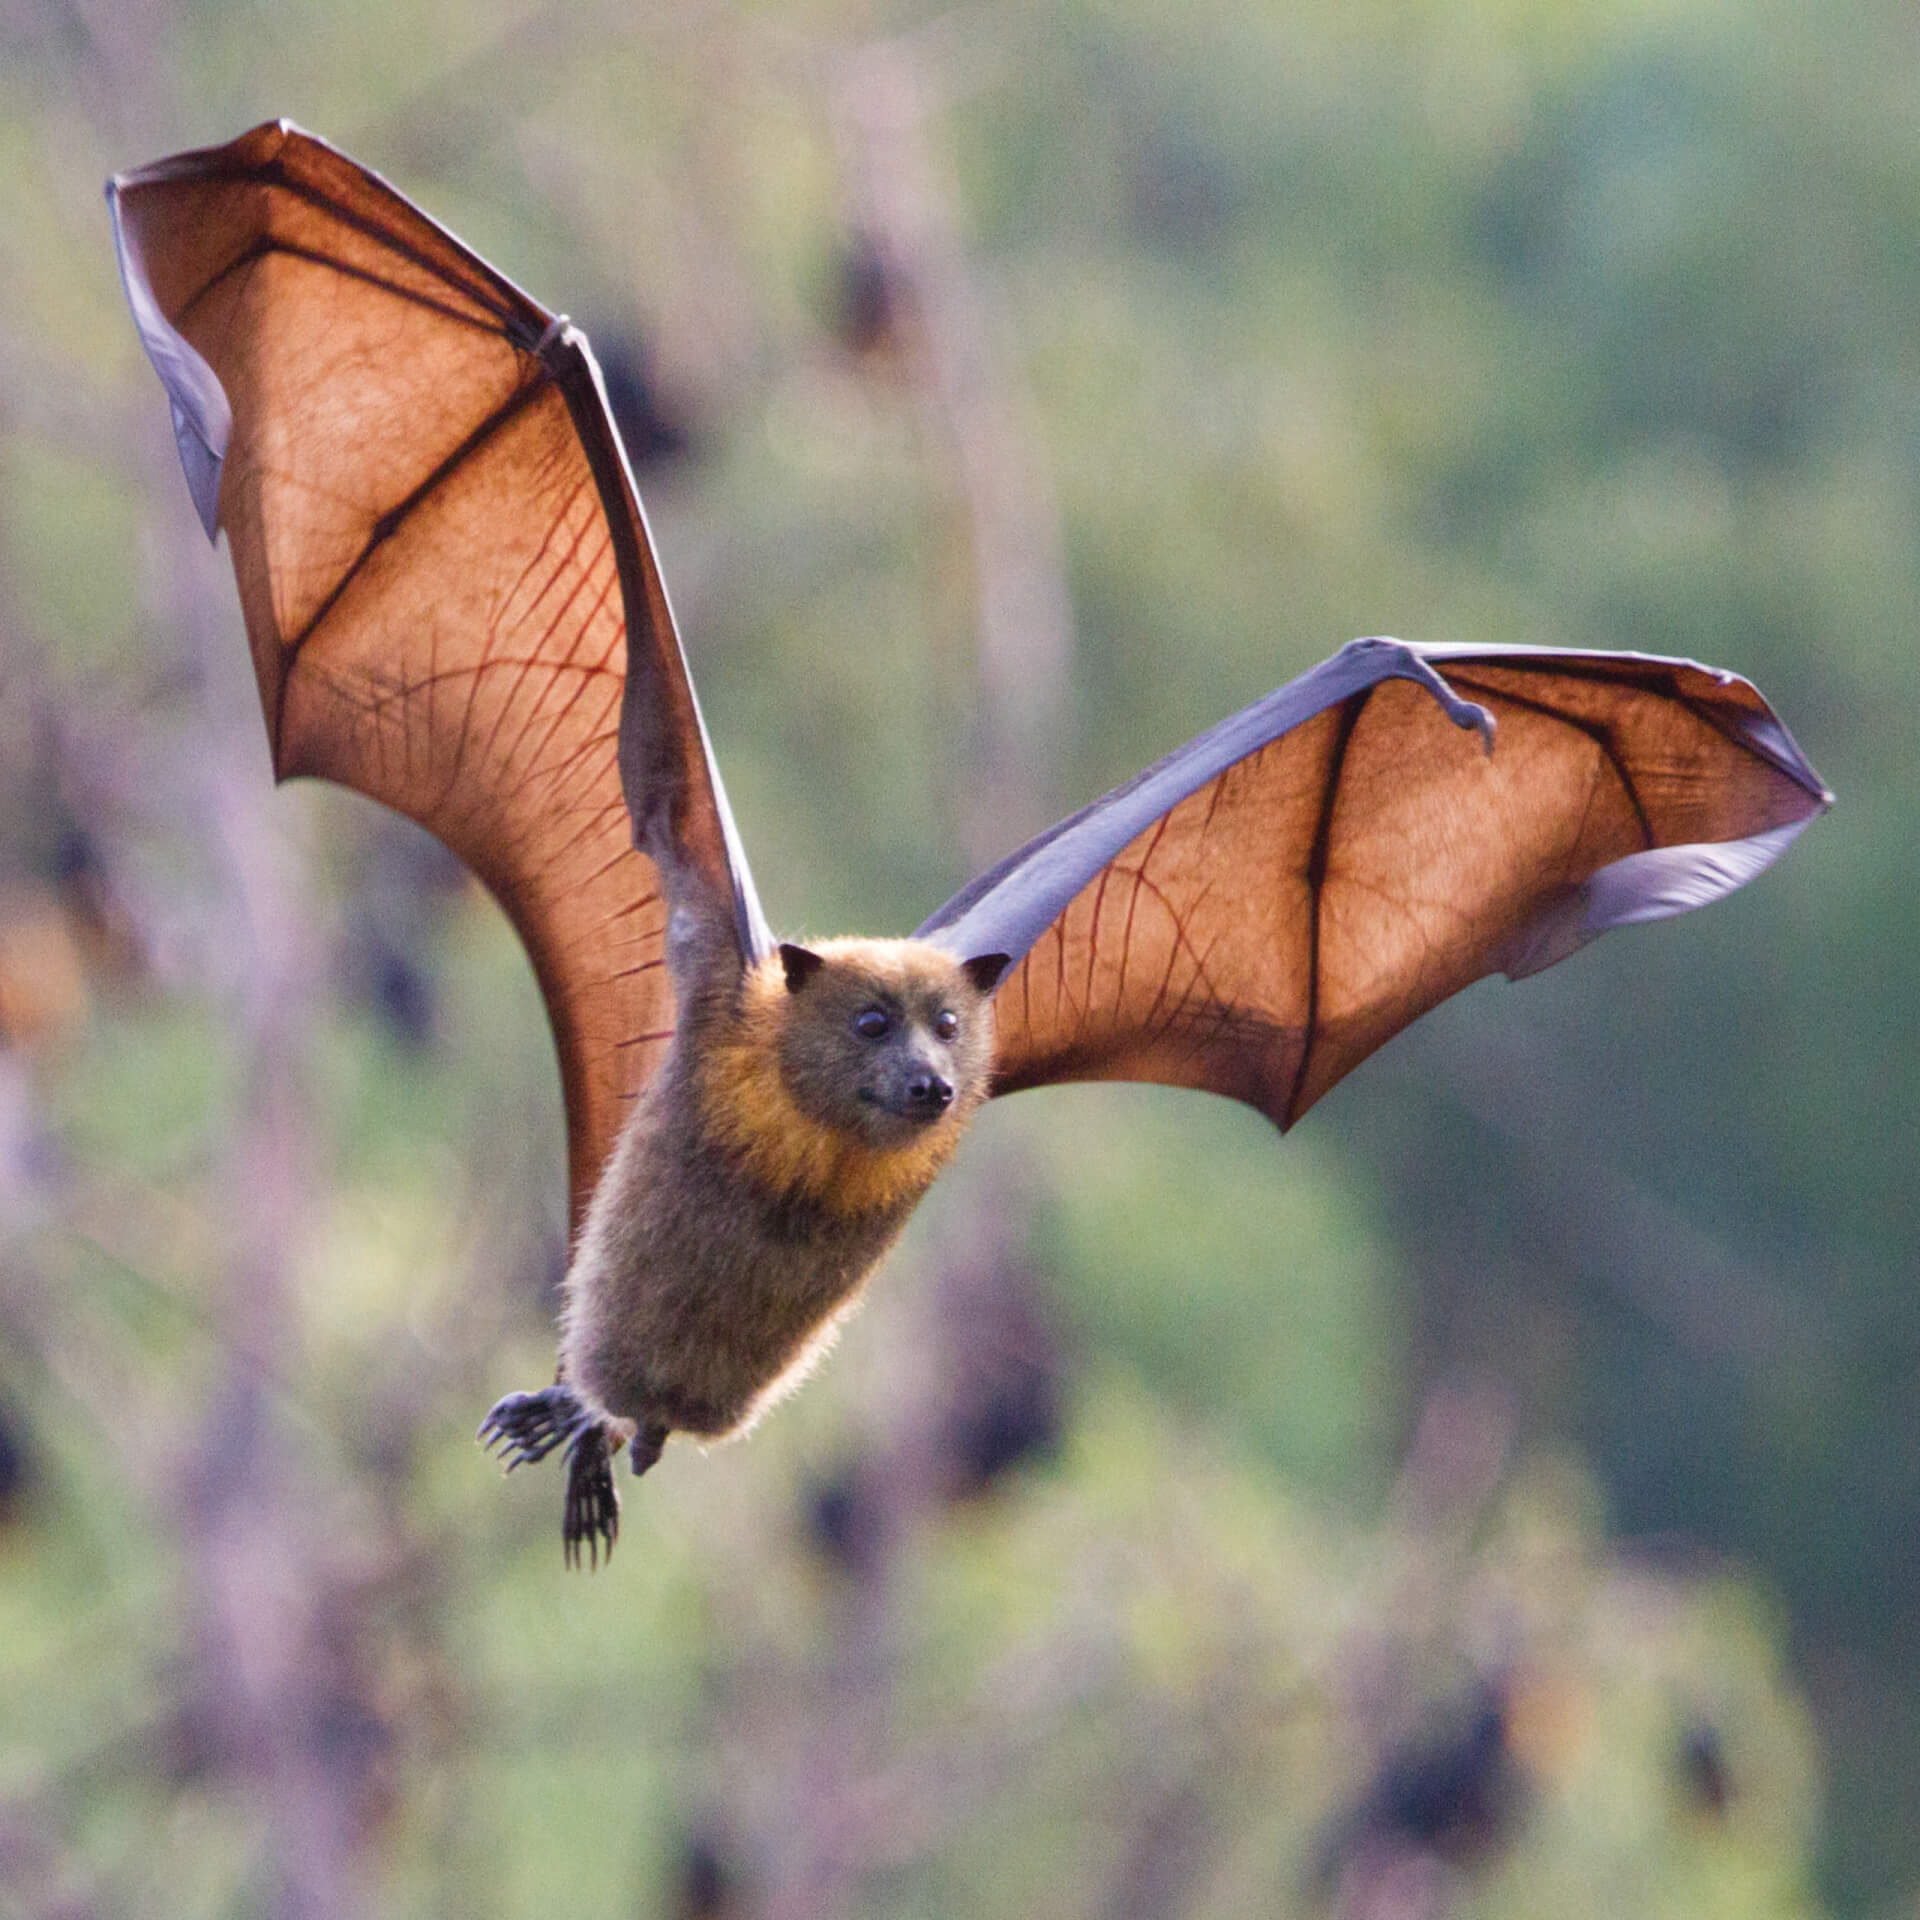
(202, 416)
(1765, 734)
(1658, 884)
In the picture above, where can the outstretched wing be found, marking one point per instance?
(1260, 910)
(445, 572)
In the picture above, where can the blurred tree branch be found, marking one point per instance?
(903, 223)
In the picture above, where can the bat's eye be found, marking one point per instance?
(946, 1023)
(871, 1023)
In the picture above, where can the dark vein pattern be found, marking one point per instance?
(1289, 914)
(434, 583)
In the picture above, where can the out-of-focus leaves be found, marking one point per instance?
(1586, 325)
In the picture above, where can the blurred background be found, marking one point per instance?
(1501, 1497)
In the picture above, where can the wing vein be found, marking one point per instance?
(389, 523)
(1601, 735)
(1350, 711)
(268, 245)
(483, 290)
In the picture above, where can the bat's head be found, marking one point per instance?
(886, 1040)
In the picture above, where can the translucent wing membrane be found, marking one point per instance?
(1262, 909)
(453, 606)
(446, 578)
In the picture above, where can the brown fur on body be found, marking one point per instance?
(754, 1187)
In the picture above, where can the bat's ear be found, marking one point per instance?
(985, 970)
(801, 963)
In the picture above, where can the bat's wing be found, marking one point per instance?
(446, 576)
(1264, 907)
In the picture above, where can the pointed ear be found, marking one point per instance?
(985, 970)
(801, 963)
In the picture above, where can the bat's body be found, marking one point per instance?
(801, 1112)
(453, 606)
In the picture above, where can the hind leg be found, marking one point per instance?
(525, 1427)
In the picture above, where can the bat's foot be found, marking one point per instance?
(593, 1504)
(525, 1427)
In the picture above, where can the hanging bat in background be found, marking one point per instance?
(453, 606)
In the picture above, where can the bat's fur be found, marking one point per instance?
(764, 1170)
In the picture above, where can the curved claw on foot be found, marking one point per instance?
(525, 1427)
(593, 1502)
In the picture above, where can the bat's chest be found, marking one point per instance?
(789, 1244)
(701, 1288)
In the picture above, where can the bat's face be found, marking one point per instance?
(885, 1039)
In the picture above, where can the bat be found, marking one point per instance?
(453, 605)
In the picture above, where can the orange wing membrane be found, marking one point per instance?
(453, 606)
(1260, 910)
(446, 577)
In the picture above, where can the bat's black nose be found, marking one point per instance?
(930, 1092)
